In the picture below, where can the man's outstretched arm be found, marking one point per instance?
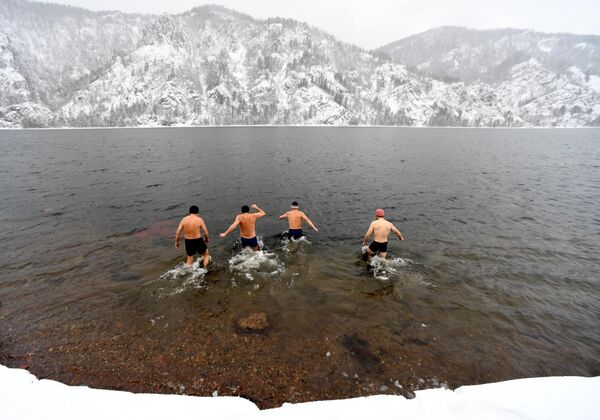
(368, 234)
(178, 234)
(261, 212)
(305, 217)
(235, 224)
(284, 216)
(397, 232)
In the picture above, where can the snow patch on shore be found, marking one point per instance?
(23, 396)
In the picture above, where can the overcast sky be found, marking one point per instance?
(373, 23)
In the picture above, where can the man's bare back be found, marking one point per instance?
(381, 230)
(248, 224)
(294, 218)
(191, 225)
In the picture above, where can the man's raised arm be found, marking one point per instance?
(235, 224)
(178, 234)
(261, 212)
(368, 234)
(305, 217)
(397, 232)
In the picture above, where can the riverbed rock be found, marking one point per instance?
(255, 322)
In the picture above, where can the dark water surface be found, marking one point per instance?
(498, 276)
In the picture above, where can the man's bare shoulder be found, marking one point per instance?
(382, 223)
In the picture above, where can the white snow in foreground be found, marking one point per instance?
(23, 396)
(572, 398)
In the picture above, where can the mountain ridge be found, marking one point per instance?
(212, 65)
(469, 54)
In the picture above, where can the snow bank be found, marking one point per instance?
(23, 396)
(536, 398)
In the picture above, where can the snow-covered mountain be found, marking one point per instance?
(64, 66)
(468, 55)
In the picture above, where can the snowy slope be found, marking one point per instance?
(24, 397)
(469, 54)
(47, 51)
(13, 86)
(549, 99)
(61, 48)
(212, 65)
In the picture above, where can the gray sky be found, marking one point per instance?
(373, 23)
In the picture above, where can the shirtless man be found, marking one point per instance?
(380, 229)
(295, 218)
(191, 225)
(246, 221)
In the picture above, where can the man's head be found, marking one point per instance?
(194, 210)
(294, 204)
(245, 209)
(379, 213)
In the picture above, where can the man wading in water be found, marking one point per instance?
(295, 218)
(380, 229)
(246, 222)
(191, 225)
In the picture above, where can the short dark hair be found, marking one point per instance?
(245, 209)
(194, 210)
(294, 203)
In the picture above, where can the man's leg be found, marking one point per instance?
(256, 248)
(189, 261)
(206, 259)
(382, 255)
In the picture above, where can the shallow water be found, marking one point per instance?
(497, 277)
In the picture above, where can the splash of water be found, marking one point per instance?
(249, 263)
(385, 268)
(290, 245)
(182, 278)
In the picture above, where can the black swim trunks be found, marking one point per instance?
(253, 242)
(195, 245)
(295, 233)
(376, 247)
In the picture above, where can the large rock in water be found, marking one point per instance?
(255, 322)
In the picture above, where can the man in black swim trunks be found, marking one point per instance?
(380, 229)
(247, 223)
(295, 218)
(192, 225)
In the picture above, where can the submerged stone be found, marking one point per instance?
(254, 322)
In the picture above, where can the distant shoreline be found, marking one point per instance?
(298, 126)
